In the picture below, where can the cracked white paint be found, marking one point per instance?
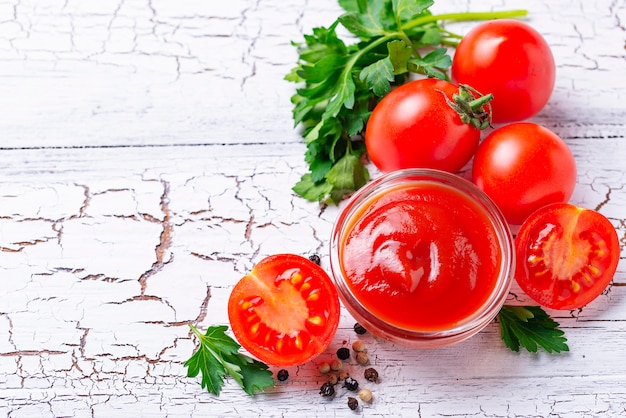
(146, 159)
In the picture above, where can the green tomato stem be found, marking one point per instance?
(478, 103)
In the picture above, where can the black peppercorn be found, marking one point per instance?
(327, 390)
(282, 375)
(350, 384)
(358, 328)
(352, 403)
(343, 353)
(371, 375)
(315, 258)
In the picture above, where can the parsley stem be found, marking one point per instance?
(373, 45)
(464, 16)
(195, 331)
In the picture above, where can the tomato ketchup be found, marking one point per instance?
(422, 254)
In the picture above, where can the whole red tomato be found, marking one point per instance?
(566, 255)
(285, 311)
(414, 126)
(522, 167)
(511, 60)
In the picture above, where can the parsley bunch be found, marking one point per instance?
(218, 355)
(341, 83)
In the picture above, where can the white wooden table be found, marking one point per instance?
(146, 158)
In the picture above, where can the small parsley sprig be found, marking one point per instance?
(340, 83)
(530, 327)
(218, 355)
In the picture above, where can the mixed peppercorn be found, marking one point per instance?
(371, 375)
(282, 375)
(359, 329)
(327, 390)
(352, 403)
(343, 353)
(335, 372)
(315, 258)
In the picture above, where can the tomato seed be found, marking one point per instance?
(252, 317)
(298, 342)
(316, 320)
(268, 337)
(296, 278)
(314, 295)
(254, 329)
(279, 345)
(593, 270)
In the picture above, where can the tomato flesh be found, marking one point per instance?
(566, 256)
(285, 311)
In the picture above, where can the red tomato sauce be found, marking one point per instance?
(421, 256)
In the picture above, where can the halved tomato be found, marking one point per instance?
(285, 311)
(566, 255)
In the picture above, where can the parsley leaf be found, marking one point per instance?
(346, 175)
(378, 75)
(339, 83)
(408, 9)
(431, 63)
(530, 327)
(311, 190)
(399, 54)
(218, 355)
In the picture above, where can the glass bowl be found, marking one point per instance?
(422, 258)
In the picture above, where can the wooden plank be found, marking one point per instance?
(110, 256)
(146, 162)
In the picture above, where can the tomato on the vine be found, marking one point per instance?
(415, 126)
(522, 167)
(285, 311)
(566, 255)
(511, 60)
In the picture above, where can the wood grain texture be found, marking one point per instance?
(146, 161)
